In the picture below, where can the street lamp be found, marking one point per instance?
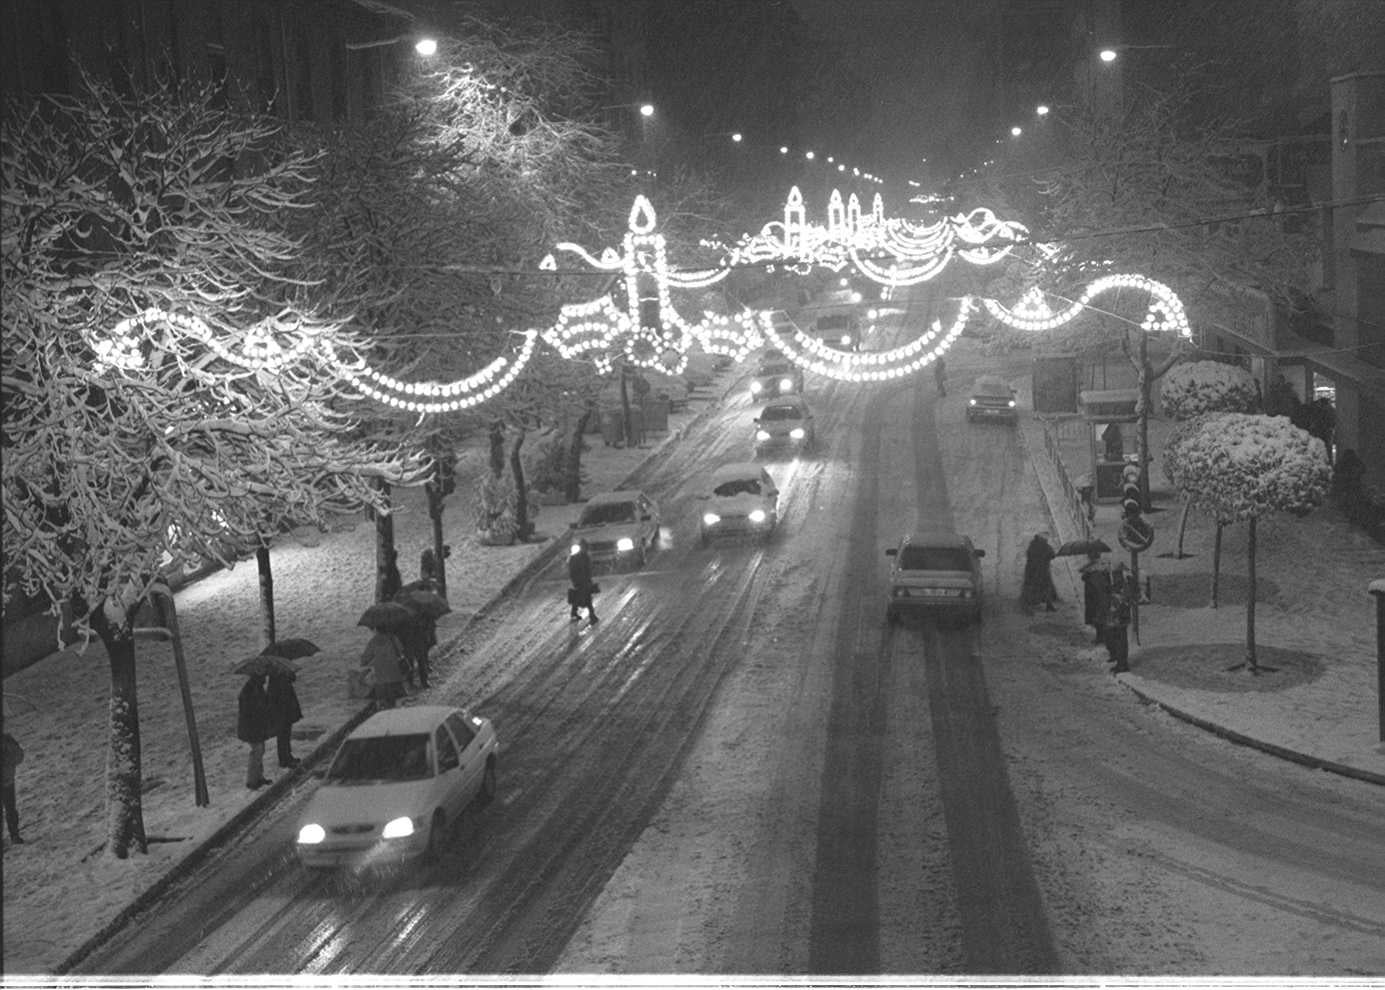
(1112, 52)
(1042, 110)
(1016, 131)
(646, 109)
(424, 46)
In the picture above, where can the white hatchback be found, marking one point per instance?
(396, 786)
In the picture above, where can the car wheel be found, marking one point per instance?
(488, 787)
(436, 828)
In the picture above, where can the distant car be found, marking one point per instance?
(839, 330)
(992, 399)
(621, 528)
(396, 786)
(776, 375)
(935, 573)
(784, 425)
(744, 501)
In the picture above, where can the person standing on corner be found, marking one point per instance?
(253, 728)
(14, 756)
(1038, 587)
(284, 710)
(579, 572)
(385, 656)
(1116, 620)
(1095, 591)
(417, 637)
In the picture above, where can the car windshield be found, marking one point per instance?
(608, 512)
(993, 389)
(916, 558)
(772, 413)
(737, 486)
(381, 758)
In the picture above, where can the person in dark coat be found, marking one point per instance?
(417, 638)
(579, 572)
(384, 654)
(1038, 587)
(284, 710)
(253, 727)
(1095, 591)
(1120, 586)
(14, 756)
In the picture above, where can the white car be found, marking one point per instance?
(396, 787)
(784, 425)
(744, 501)
(935, 573)
(620, 528)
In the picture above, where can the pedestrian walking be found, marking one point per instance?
(579, 572)
(1037, 587)
(940, 376)
(416, 638)
(1116, 618)
(384, 655)
(253, 727)
(1096, 584)
(14, 756)
(284, 710)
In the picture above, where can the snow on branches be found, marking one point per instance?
(1193, 388)
(1238, 466)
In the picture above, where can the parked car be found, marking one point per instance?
(621, 528)
(743, 501)
(839, 330)
(396, 786)
(935, 573)
(776, 375)
(992, 398)
(784, 425)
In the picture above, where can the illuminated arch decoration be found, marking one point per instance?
(441, 397)
(650, 332)
(1164, 315)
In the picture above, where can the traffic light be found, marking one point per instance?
(1132, 499)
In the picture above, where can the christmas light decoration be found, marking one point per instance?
(1165, 313)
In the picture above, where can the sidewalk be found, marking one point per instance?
(1315, 620)
(1316, 700)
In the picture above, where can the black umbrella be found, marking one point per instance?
(385, 615)
(291, 649)
(1080, 548)
(264, 663)
(423, 601)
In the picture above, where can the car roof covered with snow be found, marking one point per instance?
(740, 469)
(409, 720)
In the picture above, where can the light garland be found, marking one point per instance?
(1165, 313)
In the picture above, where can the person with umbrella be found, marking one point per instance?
(1038, 587)
(284, 710)
(384, 655)
(1095, 591)
(579, 572)
(420, 634)
(253, 726)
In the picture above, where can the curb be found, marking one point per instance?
(248, 814)
(1241, 739)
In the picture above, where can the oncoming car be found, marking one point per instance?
(784, 425)
(839, 330)
(621, 528)
(992, 398)
(776, 375)
(396, 786)
(744, 501)
(937, 573)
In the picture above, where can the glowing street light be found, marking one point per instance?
(783, 149)
(737, 137)
(1042, 110)
(426, 47)
(809, 155)
(1016, 131)
(646, 109)
(1107, 55)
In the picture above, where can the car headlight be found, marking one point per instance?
(855, 297)
(399, 828)
(1011, 403)
(756, 388)
(758, 516)
(971, 402)
(625, 544)
(311, 834)
(873, 313)
(711, 519)
(761, 435)
(797, 433)
(846, 339)
(573, 550)
(785, 384)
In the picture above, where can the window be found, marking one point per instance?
(381, 758)
(461, 730)
(919, 558)
(447, 750)
(611, 512)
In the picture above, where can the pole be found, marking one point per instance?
(168, 615)
(1379, 594)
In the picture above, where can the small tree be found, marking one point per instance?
(1195, 388)
(1240, 466)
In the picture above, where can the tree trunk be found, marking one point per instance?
(524, 526)
(124, 773)
(266, 594)
(1142, 437)
(573, 482)
(625, 408)
(435, 506)
(1216, 563)
(1183, 527)
(1250, 600)
(387, 577)
(496, 439)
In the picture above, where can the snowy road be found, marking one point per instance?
(743, 770)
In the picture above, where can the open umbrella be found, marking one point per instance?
(386, 615)
(424, 602)
(1080, 548)
(291, 649)
(261, 664)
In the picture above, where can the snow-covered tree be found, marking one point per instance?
(143, 265)
(1195, 388)
(1241, 466)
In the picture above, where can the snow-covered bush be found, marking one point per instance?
(1196, 387)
